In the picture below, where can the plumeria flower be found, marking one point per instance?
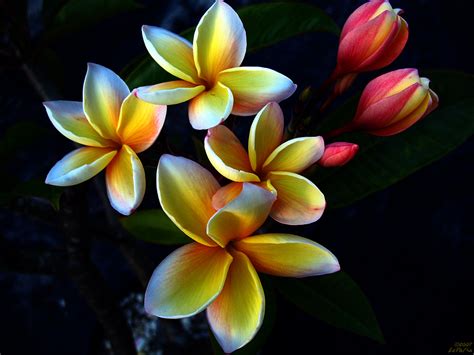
(218, 271)
(113, 125)
(373, 36)
(338, 154)
(271, 163)
(392, 103)
(210, 72)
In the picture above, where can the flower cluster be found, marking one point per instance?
(218, 270)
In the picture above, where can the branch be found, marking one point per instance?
(136, 258)
(90, 282)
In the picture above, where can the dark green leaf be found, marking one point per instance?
(77, 14)
(382, 162)
(154, 226)
(265, 330)
(22, 135)
(38, 189)
(335, 299)
(12, 189)
(145, 71)
(265, 24)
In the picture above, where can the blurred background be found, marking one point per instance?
(410, 248)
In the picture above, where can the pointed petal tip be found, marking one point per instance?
(91, 65)
(123, 210)
(399, 11)
(292, 89)
(187, 281)
(329, 268)
(47, 180)
(320, 140)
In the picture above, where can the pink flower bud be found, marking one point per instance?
(393, 102)
(372, 38)
(338, 154)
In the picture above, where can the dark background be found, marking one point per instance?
(410, 247)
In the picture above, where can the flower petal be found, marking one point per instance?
(299, 201)
(386, 85)
(227, 155)
(79, 165)
(391, 49)
(400, 125)
(288, 255)
(104, 92)
(140, 123)
(237, 314)
(230, 191)
(359, 44)
(363, 14)
(185, 190)
(172, 52)
(391, 109)
(219, 41)
(266, 133)
(211, 108)
(226, 194)
(187, 281)
(242, 216)
(254, 87)
(338, 154)
(68, 118)
(169, 93)
(295, 155)
(126, 182)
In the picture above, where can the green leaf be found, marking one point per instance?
(382, 162)
(145, 71)
(38, 189)
(12, 189)
(257, 343)
(265, 24)
(77, 14)
(154, 226)
(335, 299)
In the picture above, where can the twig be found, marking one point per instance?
(139, 262)
(88, 279)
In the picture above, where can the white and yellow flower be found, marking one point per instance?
(209, 70)
(113, 125)
(218, 271)
(271, 164)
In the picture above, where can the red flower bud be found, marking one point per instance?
(393, 102)
(338, 154)
(372, 38)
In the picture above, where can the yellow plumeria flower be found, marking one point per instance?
(210, 72)
(271, 164)
(218, 271)
(113, 125)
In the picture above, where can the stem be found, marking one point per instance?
(297, 125)
(35, 82)
(338, 131)
(88, 279)
(139, 262)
